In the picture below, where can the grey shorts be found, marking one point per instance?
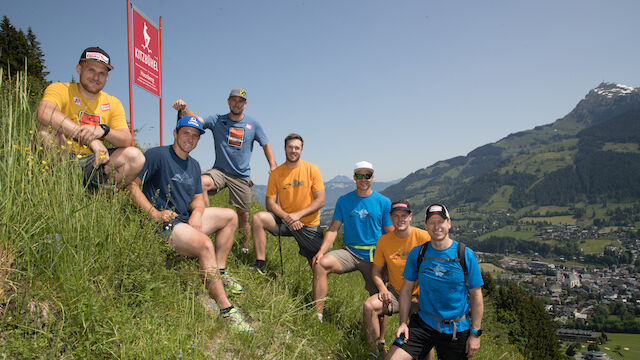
(240, 190)
(93, 178)
(350, 262)
(309, 238)
(395, 305)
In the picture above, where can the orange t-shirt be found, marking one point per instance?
(294, 188)
(393, 251)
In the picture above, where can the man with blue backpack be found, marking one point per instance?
(451, 303)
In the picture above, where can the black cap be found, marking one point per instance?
(97, 54)
(400, 205)
(437, 209)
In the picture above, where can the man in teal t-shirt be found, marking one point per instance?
(365, 215)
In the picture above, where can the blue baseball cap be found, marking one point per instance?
(190, 121)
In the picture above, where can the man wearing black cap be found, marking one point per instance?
(172, 195)
(450, 291)
(80, 117)
(392, 250)
(233, 136)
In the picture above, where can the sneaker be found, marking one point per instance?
(245, 250)
(383, 349)
(257, 269)
(317, 317)
(235, 321)
(230, 284)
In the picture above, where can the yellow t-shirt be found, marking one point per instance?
(294, 188)
(393, 251)
(105, 109)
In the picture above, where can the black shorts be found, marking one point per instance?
(309, 238)
(423, 337)
(93, 178)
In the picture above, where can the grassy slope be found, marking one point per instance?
(83, 276)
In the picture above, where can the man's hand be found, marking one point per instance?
(296, 225)
(163, 216)
(385, 297)
(473, 345)
(179, 105)
(195, 220)
(403, 330)
(317, 257)
(87, 133)
(290, 219)
(101, 153)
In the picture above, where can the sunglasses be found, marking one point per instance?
(363, 176)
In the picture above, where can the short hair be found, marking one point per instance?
(293, 136)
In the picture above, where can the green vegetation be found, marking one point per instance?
(626, 344)
(82, 275)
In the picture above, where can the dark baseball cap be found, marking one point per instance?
(97, 54)
(437, 209)
(400, 205)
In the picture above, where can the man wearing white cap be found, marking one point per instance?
(233, 135)
(365, 215)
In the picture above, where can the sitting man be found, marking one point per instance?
(295, 195)
(450, 289)
(391, 251)
(172, 195)
(82, 116)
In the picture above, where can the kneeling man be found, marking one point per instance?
(172, 194)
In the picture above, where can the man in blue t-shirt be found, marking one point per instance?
(233, 136)
(365, 215)
(448, 295)
(172, 195)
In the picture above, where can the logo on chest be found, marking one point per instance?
(236, 137)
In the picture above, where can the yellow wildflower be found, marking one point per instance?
(69, 142)
(43, 162)
(30, 131)
(78, 156)
(15, 146)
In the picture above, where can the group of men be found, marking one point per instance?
(446, 308)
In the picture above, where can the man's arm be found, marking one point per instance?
(388, 229)
(271, 159)
(316, 204)
(197, 209)
(141, 201)
(384, 295)
(405, 306)
(329, 237)
(476, 303)
(49, 114)
(181, 106)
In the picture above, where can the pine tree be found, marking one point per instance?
(18, 49)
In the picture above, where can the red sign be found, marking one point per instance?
(146, 54)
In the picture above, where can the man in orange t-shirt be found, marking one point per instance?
(295, 195)
(392, 250)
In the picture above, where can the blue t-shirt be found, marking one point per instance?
(442, 289)
(169, 182)
(234, 143)
(363, 219)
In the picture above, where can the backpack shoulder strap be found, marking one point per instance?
(423, 249)
(463, 262)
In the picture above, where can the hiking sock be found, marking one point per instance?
(222, 271)
(226, 310)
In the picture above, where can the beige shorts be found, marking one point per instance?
(350, 262)
(240, 190)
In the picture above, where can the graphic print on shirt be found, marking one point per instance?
(236, 136)
(295, 183)
(85, 118)
(362, 213)
(183, 178)
(439, 270)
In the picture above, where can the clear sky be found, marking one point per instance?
(402, 84)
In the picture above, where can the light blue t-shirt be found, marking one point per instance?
(442, 289)
(363, 219)
(234, 143)
(169, 182)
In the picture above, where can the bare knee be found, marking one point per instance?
(207, 183)
(134, 159)
(369, 305)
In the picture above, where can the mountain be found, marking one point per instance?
(590, 155)
(333, 189)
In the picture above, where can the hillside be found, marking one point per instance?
(589, 155)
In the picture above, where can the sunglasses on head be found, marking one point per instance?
(363, 176)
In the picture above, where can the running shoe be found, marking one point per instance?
(235, 321)
(259, 270)
(230, 284)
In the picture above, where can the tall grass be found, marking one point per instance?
(82, 275)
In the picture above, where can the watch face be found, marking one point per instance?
(479, 332)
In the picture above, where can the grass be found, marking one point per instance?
(624, 341)
(82, 275)
(596, 246)
(511, 231)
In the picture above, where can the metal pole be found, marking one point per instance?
(160, 61)
(129, 61)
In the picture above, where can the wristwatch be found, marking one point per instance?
(476, 332)
(106, 129)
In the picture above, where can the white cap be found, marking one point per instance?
(363, 165)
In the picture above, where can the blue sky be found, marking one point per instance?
(402, 84)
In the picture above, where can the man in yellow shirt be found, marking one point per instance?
(295, 195)
(82, 117)
(392, 250)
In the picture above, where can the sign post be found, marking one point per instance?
(147, 57)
